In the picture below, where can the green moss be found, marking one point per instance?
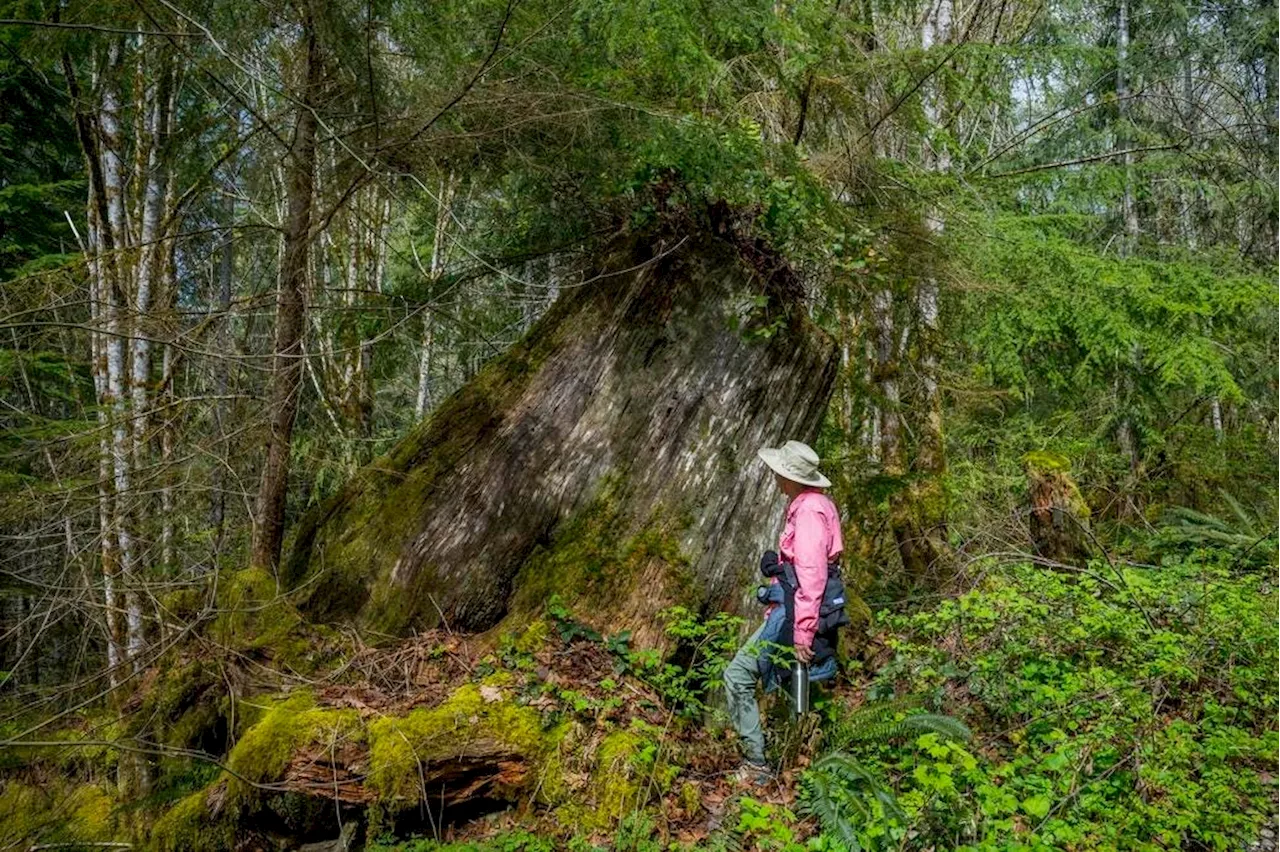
(256, 615)
(398, 744)
(1045, 461)
(56, 812)
(181, 706)
(189, 827)
(533, 638)
(628, 767)
(595, 560)
(616, 782)
(690, 797)
(277, 731)
(264, 752)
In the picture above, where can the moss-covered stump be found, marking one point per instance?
(1058, 517)
(622, 429)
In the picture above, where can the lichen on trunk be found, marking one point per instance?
(622, 429)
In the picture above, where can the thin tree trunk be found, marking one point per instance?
(167, 506)
(268, 531)
(886, 376)
(217, 488)
(930, 453)
(423, 404)
(150, 249)
(1126, 432)
(444, 204)
(108, 144)
(871, 410)
(1129, 206)
(100, 260)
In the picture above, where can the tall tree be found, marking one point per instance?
(269, 517)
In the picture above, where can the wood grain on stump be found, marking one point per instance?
(609, 457)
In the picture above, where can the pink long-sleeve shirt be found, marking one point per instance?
(810, 540)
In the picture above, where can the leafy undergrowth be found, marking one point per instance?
(1110, 708)
(1097, 708)
(1114, 707)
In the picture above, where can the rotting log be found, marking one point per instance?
(472, 769)
(608, 457)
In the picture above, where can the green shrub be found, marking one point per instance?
(1126, 715)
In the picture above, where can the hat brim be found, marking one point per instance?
(773, 458)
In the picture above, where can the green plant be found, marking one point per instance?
(569, 628)
(1098, 731)
(852, 803)
(704, 647)
(1248, 538)
(767, 827)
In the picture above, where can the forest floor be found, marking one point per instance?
(1035, 711)
(689, 777)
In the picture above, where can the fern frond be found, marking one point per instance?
(858, 782)
(1181, 517)
(946, 727)
(825, 798)
(885, 722)
(1247, 522)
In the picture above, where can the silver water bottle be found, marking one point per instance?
(800, 688)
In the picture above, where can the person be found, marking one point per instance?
(810, 541)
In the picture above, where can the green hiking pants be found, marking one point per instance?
(740, 679)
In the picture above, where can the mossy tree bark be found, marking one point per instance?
(608, 458)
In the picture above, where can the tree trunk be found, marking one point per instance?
(1129, 207)
(1126, 430)
(920, 520)
(608, 458)
(98, 262)
(112, 240)
(222, 383)
(439, 255)
(885, 373)
(268, 532)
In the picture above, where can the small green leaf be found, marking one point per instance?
(1037, 806)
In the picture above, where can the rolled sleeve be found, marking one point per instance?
(810, 551)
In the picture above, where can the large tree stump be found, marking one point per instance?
(608, 458)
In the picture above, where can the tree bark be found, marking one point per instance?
(1126, 430)
(608, 458)
(885, 373)
(1129, 208)
(222, 382)
(98, 262)
(268, 532)
(920, 517)
(110, 241)
(1058, 517)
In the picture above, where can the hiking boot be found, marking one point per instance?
(752, 774)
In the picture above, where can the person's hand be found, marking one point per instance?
(804, 654)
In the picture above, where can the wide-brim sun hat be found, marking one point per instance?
(795, 461)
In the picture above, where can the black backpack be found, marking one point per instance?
(831, 612)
